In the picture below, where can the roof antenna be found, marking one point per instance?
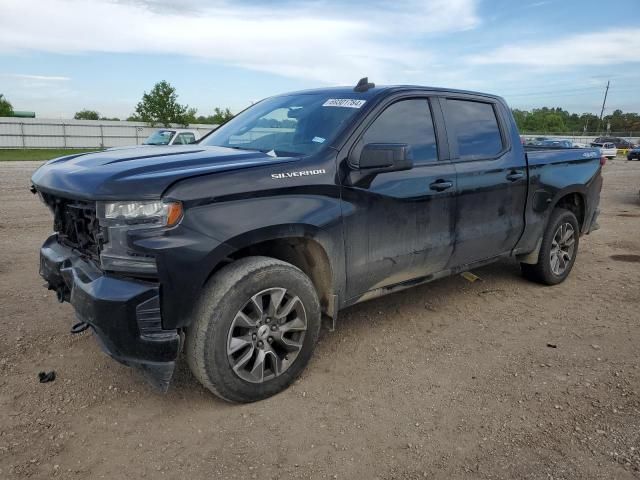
(363, 85)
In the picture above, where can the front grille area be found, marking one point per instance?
(76, 223)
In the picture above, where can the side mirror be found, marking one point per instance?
(386, 157)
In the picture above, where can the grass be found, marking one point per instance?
(39, 153)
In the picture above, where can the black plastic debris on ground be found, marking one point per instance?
(46, 377)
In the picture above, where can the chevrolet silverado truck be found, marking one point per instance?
(233, 250)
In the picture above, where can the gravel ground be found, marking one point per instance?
(499, 378)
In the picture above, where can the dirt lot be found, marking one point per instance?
(499, 378)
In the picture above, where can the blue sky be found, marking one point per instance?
(59, 56)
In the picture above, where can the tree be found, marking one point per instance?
(218, 118)
(160, 106)
(557, 120)
(6, 109)
(87, 115)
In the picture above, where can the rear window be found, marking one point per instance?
(185, 139)
(475, 127)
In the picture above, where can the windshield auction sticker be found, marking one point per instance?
(344, 102)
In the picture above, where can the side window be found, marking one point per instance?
(475, 126)
(406, 121)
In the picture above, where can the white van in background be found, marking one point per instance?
(607, 149)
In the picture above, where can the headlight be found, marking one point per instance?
(155, 212)
(117, 219)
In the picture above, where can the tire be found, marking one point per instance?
(242, 317)
(548, 271)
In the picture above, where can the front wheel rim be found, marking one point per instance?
(266, 335)
(562, 248)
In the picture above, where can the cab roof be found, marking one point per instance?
(383, 89)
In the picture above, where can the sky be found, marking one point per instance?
(61, 56)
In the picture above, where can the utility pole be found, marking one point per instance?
(603, 104)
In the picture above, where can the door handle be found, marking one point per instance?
(515, 175)
(441, 185)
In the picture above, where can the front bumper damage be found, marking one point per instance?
(124, 313)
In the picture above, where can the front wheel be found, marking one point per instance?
(255, 329)
(558, 250)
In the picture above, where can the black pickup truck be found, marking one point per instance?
(234, 248)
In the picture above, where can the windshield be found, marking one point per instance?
(161, 137)
(288, 125)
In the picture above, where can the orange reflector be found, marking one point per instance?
(174, 213)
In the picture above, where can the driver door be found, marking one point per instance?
(399, 224)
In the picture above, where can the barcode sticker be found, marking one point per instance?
(344, 102)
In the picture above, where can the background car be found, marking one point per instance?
(617, 141)
(536, 140)
(634, 154)
(607, 149)
(172, 136)
(555, 143)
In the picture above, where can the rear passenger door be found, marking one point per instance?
(399, 224)
(491, 179)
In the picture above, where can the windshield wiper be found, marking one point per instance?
(235, 147)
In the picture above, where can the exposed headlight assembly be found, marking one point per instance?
(119, 218)
(155, 212)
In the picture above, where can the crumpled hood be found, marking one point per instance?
(139, 172)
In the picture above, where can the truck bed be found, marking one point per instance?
(539, 155)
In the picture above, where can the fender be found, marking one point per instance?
(325, 239)
(548, 184)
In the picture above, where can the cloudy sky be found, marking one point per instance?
(59, 56)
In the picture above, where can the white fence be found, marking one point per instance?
(43, 133)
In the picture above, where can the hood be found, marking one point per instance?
(139, 172)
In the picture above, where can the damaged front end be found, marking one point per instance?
(122, 308)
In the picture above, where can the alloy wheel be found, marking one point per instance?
(562, 248)
(266, 335)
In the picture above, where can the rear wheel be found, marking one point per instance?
(255, 329)
(558, 249)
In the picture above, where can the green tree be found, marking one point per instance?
(87, 115)
(557, 120)
(219, 117)
(190, 116)
(6, 109)
(160, 106)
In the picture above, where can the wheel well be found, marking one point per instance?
(575, 203)
(304, 253)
